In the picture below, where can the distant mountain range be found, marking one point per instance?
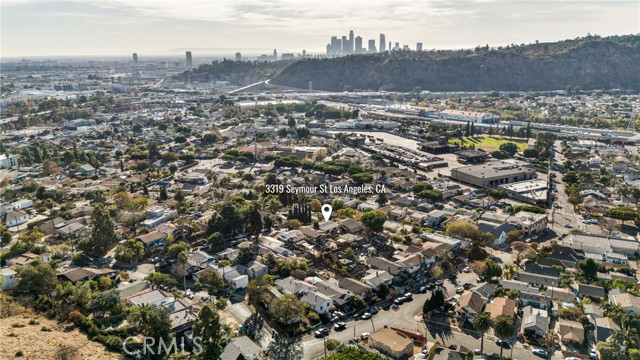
(587, 63)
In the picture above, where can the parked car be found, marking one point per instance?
(321, 333)
(340, 326)
(408, 296)
(568, 226)
(439, 282)
(430, 286)
(466, 286)
(459, 290)
(422, 290)
(399, 301)
(365, 316)
(364, 335)
(466, 270)
(503, 344)
(480, 279)
(540, 352)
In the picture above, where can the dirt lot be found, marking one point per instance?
(36, 344)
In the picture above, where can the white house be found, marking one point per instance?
(16, 218)
(319, 302)
(22, 204)
(7, 162)
(8, 278)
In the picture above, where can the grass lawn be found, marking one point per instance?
(488, 143)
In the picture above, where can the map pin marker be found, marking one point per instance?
(326, 211)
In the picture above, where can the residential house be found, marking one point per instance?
(535, 300)
(351, 225)
(380, 263)
(234, 278)
(320, 303)
(256, 270)
(391, 343)
(356, 287)
(127, 289)
(412, 263)
(470, 304)
(374, 278)
(435, 218)
(83, 274)
(151, 298)
(570, 331)
(562, 256)
(27, 258)
(15, 218)
(534, 321)
(561, 294)
(330, 288)
(501, 306)
(153, 238)
(604, 327)
(537, 280)
(591, 291)
(198, 260)
(241, 348)
(9, 278)
(499, 233)
(630, 304)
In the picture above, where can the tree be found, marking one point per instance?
(503, 328)
(159, 324)
(108, 304)
(281, 349)
(37, 279)
(287, 309)
(163, 193)
(163, 280)
(509, 271)
(530, 153)
(435, 301)
(256, 289)
(332, 344)
(510, 148)
(383, 289)
(179, 196)
(103, 232)
(515, 235)
(140, 317)
(212, 279)
(436, 272)
(253, 326)
(253, 220)
(373, 220)
(589, 268)
(207, 327)
(482, 323)
(492, 269)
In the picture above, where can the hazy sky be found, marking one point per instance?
(168, 27)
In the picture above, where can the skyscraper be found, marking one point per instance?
(189, 59)
(372, 46)
(335, 45)
(345, 44)
(419, 47)
(397, 47)
(358, 49)
(135, 58)
(238, 56)
(275, 54)
(383, 42)
(351, 42)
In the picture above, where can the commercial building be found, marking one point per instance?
(358, 47)
(531, 192)
(189, 59)
(529, 222)
(419, 46)
(470, 116)
(494, 173)
(135, 58)
(391, 343)
(238, 56)
(372, 46)
(383, 43)
(602, 245)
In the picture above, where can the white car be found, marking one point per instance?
(364, 335)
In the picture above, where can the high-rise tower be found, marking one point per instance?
(383, 43)
(189, 59)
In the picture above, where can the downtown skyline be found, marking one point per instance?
(167, 28)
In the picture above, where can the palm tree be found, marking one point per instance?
(627, 338)
(482, 323)
(503, 328)
(140, 316)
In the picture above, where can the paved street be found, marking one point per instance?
(405, 318)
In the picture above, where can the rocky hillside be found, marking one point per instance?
(588, 63)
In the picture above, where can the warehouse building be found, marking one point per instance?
(494, 173)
